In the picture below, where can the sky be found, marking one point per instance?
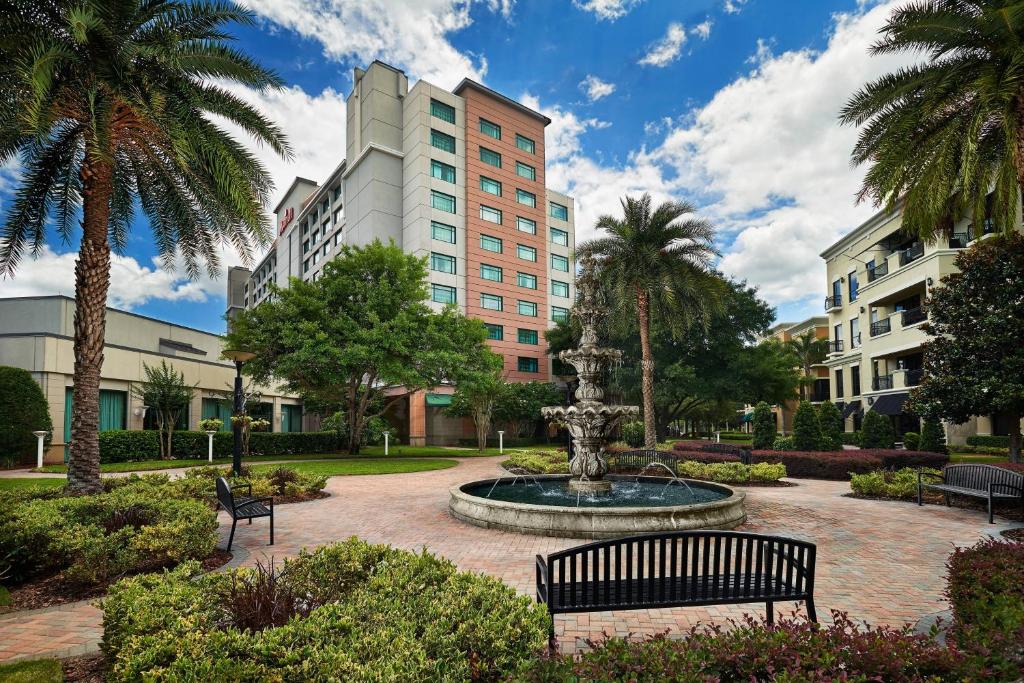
(730, 105)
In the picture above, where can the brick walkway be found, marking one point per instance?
(882, 562)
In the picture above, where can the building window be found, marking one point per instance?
(492, 273)
(491, 302)
(442, 201)
(305, 266)
(559, 288)
(558, 211)
(559, 263)
(526, 308)
(855, 380)
(524, 197)
(839, 383)
(445, 112)
(524, 143)
(442, 141)
(305, 247)
(527, 336)
(526, 225)
(316, 257)
(316, 237)
(526, 253)
(854, 333)
(442, 294)
(490, 186)
(336, 193)
(442, 263)
(495, 332)
(525, 171)
(489, 129)
(528, 365)
(559, 314)
(442, 232)
(526, 280)
(853, 285)
(559, 237)
(489, 156)
(442, 171)
(488, 243)
(490, 214)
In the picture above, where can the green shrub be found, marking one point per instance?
(764, 426)
(130, 445)
(911, 441)
(23, 410)
(633, 434)
(783, 443)
(851, 438)
(200, 483)
(989, 441)
(877, 431)
(730, 472)
(831, 422)
(377, 614)
(888, 483)
(806, 428)
(933, 437)
(539, 462)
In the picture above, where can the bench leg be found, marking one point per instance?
(946, 497)
(232, 536)
(271, 528)
(991, 519)
(770, 609)
(919, 499)
(812, 614)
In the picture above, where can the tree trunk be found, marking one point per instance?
(92, 282)
(643, 316)
(1015, 438)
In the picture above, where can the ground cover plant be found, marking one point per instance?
(349, 611)
(901, 484)
(539, 461)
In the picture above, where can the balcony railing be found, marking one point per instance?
(834, 301)
(912, 378)
(835, 346)
(959, 240)
(855, 341)
(878, 270)
(881, 327)
(913, 316)
(911, 254)
(881, 382)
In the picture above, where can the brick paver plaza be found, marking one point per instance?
(882, 562)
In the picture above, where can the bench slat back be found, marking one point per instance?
(639, 459)
(978, 477)
(224, 495)
(680, 567)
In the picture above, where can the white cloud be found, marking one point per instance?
(702, 30)
(595, 88)
(666, 50)
(733, 6)
(502, 7)
(607, 10)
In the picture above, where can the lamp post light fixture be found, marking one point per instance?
(240, 357)
(40, 435)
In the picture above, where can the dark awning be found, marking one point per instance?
(890, 404)
(852, 408)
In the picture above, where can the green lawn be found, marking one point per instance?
(27, 483)
(355, 466)
(978, 458)
(36, 671)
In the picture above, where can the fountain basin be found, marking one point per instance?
(637, 505)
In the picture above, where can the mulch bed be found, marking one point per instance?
(85, 669)
(285, 500)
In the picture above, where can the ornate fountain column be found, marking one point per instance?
(590, 421)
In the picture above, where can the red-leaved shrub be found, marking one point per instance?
(838, 465)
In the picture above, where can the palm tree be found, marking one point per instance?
(809, 350)
(112, 106)
(941, 135)
(651, 261)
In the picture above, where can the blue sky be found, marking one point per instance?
(730, 104)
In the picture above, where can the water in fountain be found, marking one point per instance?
(589, 421)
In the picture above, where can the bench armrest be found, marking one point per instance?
(542, 579)
(921, 474)
(249, 501)
(993, 486)
(242, 486)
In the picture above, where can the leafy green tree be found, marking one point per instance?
(764, 426)
(476, 396)
(23, 410)
(941, 135)
(518, 404)
(115, 107)
(933, 438)
(806, 428)
(360, 331)
(876, 431)
(831, 421)
(656, 263)
(808, 350)
(168, 395)
(974, 358)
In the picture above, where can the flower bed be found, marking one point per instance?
(900, 484)
(349, 611)
(539, 462)
(285, 484)
(732, 472)
(839, 465)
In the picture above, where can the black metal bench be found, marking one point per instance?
(976, 481)
(244, 507)
(678, 569)
(637, 460)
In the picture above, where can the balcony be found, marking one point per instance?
(881, 383)
(911, 254)
(913, 316)
(881, 327)
(878, 270)
(835, 301)
(835, 346)
(911, 378)
(959, 240)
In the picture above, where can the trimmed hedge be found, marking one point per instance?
(23, 410)
(731, 472)
(349, 611)
(989, 441)
(131, 445)
(711, 447)
(838, 466)
(539, 462)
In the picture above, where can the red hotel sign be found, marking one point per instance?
(289, 214)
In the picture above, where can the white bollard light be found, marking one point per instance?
(718, 437)
(386, 443)
(501, 441)
(210, 450)
(39, 447)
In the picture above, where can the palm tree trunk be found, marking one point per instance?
(92, 281)
(643, 316)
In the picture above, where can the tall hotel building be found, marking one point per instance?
(456, 177)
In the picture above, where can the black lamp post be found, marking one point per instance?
(239, 357)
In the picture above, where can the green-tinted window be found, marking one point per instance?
(489, 243)
(442, 294)
(445, 112)
(528, 365)
(525, 252)
(526, 280)
(559, 263)
(560, 314)
(491, 302)
(560, 237)
(524, 171)
(442, 263)
(442, 201)
(559, 288)
(524, 143)
(442, 141)
(495, 332)
(490, 186)
(492, 273)
(526, 308)
(560, 212)
(524, 197)
(291, 418)
(442, 171)
(527, 336)
(526, 225)
(442, 232)
(113, 410)
(489, 156)
(490, 214)
(490, 129)
(219, 409)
